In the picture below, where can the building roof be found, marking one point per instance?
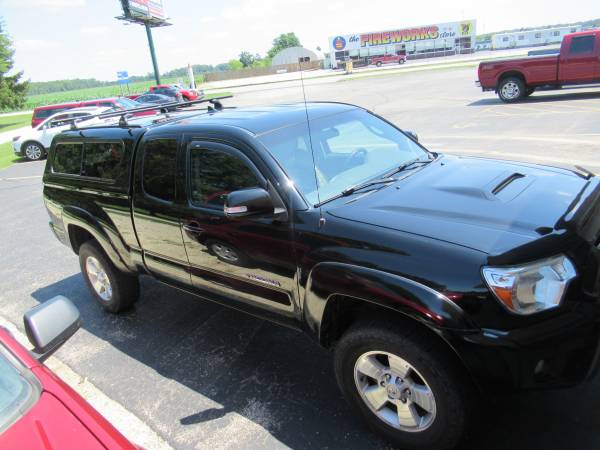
(290, 55)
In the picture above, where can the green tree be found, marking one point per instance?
(247, 58)
(234, 64)
(12, 92)
(282, 41)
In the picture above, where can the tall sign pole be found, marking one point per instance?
(152, 53)
(149, 13)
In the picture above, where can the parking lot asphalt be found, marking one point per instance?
(203, 376)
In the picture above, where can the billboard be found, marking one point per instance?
(446, 31)
(144, 9)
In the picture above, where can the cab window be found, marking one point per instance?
(67, 159)
(214, 174)
(582, 44)
(103, 160)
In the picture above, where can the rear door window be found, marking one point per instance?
(67, 159)
(159, 166)
(103, 160)
(582, 44)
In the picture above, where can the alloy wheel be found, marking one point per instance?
(33, 151)
(395, 391)
(98, 278)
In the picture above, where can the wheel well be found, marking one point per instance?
(513, 73)
(78, 237)
(32, 141)
(342, 312)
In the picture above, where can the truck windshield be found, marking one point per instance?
(350, 148)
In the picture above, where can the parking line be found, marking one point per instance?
(20, 178)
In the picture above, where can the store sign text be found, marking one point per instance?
(399, 36)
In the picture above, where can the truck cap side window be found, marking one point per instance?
(582, 44)
(214, 174)
(158, 174)
(67, 159)
(103, 160)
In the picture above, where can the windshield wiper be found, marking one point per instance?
(408, 164)
(352, 189)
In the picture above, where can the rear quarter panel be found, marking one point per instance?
(538, 70)
(102, 205)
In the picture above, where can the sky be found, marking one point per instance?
(61, 39)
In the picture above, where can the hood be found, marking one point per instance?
(488, 205)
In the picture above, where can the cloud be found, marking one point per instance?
(35, 45)
(47, 4)
(94, 30)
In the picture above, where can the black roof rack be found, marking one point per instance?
(164, 108)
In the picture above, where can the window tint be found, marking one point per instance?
(582, 44)
(15, 392)
(45, 113)
(67, 158)
(160, 161)
(214, 174)
(103, 160)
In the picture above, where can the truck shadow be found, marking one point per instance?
(542, 97)
(222, 371)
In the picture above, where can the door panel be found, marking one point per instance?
(248, 261)
(580, 63)
(156, 213)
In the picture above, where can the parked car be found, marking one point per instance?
(577, 63)
(154, 98)
(41, 113)
(388, 59)
(37, 409)
(120, 103)
(33, 144)
(432, 278)
(166, 89)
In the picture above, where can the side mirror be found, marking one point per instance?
(414, 136)
(248, 203)
(50, 324)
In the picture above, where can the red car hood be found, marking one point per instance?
(49, 425)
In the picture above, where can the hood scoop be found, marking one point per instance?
(504, 183)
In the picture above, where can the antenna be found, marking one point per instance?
(312, 152)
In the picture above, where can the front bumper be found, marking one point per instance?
(16, 145)
(562, 351)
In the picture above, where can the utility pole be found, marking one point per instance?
(152, 52)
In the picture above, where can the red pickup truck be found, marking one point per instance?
(388, 59)
(577, 63)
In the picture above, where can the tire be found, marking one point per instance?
(443, 423)
(511, 89)
(379, 64)
(124, 289)
(227, 253)
(402, 61)
(33, 151)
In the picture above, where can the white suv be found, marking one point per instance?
(33, 144)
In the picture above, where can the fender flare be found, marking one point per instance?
(74, 216)
(328, 280)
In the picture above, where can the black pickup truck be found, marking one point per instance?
(433, 278)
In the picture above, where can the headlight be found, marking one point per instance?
(532, 287)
